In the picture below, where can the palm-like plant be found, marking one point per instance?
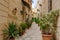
(11, 31)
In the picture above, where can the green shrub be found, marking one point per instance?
(37, 20)
(11, 31)
(48, 21)
(33, 19)
(23, 26)
(21, 31)
(29, 24)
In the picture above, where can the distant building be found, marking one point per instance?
(34, 13)
(27, 4)
(39, 7)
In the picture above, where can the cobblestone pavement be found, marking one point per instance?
(33, 33)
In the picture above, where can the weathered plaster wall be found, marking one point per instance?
(6, 15)
(44, 6)
(55, 4)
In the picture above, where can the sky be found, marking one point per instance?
(34, 3)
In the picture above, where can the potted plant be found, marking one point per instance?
(37, 21)
(21, 31)
(22, 28)
(11, 32)
(29, 24)
(46, 25)
(33, 19)
(55, 15)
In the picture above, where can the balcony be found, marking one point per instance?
(26, 4)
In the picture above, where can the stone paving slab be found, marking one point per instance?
(33, 33)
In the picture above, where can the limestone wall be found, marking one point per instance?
(7, 13)
(55, 4)
(44, 6)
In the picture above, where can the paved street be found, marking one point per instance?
(33, 33)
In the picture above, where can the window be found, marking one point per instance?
(49, 5)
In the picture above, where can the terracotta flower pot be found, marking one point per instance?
(47, 37)
(12, 38)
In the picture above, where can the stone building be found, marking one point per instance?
(39, 8)
(49, 5)
(55, 4)
(44, 6)
(11, 10)
(27, 4)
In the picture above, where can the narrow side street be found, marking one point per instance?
(29, 19)
(33, 33)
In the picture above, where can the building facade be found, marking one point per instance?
(39, 7)
(42, 7)
(27, 4)
(49, 5)
(55, 4)
(11, 10)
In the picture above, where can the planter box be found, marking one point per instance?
(47, 37)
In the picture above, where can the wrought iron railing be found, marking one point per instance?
(26, 4)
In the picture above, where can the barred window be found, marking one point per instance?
(49, 5)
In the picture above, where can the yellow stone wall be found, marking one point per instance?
(55, 4)
(44, 6)
(6, 14)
